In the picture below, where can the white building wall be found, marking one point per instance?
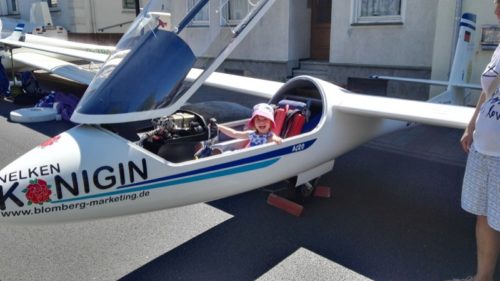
(261, 44)
(86, 16)
(109, 13)
(443, 45)
(79, 16)
(299, 26)
(269, 41)
(408, 44)
(281, 36)
(24, 8)
(93, 16)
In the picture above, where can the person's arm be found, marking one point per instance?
(276, 139)
(466, 139)
(230, 132)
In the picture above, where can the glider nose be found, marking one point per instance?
(28, 181)
(55, 180)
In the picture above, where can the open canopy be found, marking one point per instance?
(145, 77)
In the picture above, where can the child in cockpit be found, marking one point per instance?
(260, 127)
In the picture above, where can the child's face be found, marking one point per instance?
(262, 124)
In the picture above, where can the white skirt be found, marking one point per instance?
(481, 187)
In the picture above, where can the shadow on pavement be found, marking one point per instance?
(391, 217)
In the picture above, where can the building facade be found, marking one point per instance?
(86, 20)
(341, 41)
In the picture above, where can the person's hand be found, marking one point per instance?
(466, 140)
(277, 139)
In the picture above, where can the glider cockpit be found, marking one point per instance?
(177, 137)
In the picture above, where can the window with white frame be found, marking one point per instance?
(52, 4)
(128, 4)
(233, 11)
(13, 7)
(378, 11)
(202, 18)
(490, 36)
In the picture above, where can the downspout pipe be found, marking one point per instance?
(137, 8)
(456, 30)
(92, 16)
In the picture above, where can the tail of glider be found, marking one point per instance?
(40, 14)
(17, 33)
(461, 67)
(460, 70)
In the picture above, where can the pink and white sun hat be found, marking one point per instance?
(264, 110)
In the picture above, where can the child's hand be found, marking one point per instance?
(277, 139)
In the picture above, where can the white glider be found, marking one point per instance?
(95, 170)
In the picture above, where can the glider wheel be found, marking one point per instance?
(302, 192)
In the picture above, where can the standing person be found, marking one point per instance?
(481, 185)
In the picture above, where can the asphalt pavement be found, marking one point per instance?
(394, 214)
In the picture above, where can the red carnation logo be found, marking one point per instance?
(50, 141)
(38, 192)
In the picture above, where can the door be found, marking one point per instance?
(320, 29)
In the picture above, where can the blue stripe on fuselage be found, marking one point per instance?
(259, 157)
(234, 167)
(216, 174)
